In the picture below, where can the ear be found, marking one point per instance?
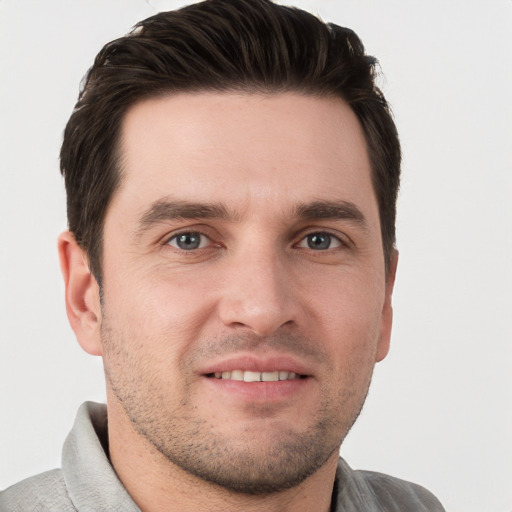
(82, 294)
(386, 320)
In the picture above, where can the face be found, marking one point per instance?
(245, 300)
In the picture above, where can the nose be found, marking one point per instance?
(258, 293)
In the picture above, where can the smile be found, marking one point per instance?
(250, 376)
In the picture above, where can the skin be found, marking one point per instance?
(289, 274)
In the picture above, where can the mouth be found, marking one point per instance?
(254, 376)
(269, 378)
(249, 379)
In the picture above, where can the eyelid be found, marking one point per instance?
(344, 240)
(175, 236)
(200, 229)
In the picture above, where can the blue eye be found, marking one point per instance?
(189, 241)
(320, 241)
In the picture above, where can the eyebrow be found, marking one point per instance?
(167, 209)
(331, 210)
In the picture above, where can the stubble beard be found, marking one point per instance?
(257, 462)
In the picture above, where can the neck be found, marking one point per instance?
(156, 484)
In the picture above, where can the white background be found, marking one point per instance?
(440, 408)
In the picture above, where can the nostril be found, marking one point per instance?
(260, 313)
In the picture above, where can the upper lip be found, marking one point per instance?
(250, 362)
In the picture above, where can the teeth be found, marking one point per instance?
(237, 375)
(252, 376)
(270, 376)
(248, 376)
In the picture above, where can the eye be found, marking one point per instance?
(320, 241)
(189, 241)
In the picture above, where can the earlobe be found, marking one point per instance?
(82, 294)
(387, 310)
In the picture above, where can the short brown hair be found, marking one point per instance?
(219, 45)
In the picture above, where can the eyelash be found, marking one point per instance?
(332, 239)
(190, 234)
(341, 243)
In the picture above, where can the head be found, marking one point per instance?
(232, 171)
(219, 45)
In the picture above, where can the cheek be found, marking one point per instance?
(348, 318)
(349, 304)
(162, 314)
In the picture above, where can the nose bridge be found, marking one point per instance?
(257, 292)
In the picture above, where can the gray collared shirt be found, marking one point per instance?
(87, 481)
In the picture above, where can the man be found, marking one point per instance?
(231, 173)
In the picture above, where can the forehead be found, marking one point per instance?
(243, 149)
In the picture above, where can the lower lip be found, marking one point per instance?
(264, 392)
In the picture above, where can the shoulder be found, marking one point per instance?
(401, 494)
(41, 493)
(377, 491)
